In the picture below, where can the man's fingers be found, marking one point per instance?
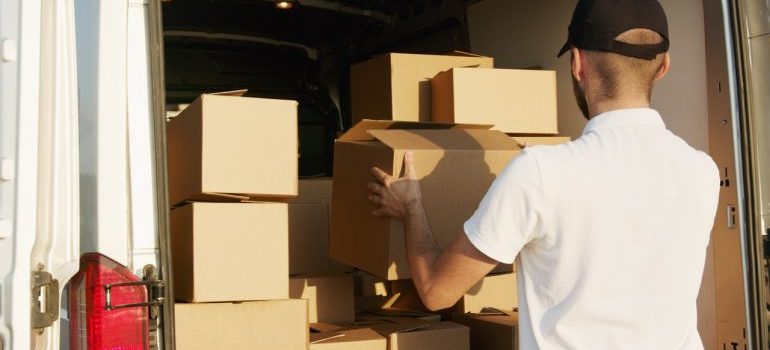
(378, 212)
(380, 175)
(409, 172)
(375, 199)
(374, 187)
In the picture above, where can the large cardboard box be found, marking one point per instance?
(228, 148)
(309, 227)
(330, 296)
(396, 86)
(514, 101)
(463, 158)
(273, 324)
(491, 332)
(494, 291)
(230, 251)
(331, 337)
(404, 333)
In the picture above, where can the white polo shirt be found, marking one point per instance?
(611, 233)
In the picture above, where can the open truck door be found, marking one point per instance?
(39, 205)
(80, 183)
(117, 299)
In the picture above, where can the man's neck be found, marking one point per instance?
(615, 104)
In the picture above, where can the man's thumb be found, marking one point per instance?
(409, 171)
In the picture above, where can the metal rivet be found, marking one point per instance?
(5, 228)
(7, 169)
(8, 51)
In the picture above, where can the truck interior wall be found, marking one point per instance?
(726, 239)
(524, 34)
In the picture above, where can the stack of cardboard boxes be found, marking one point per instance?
(263, 260)
(464, 121)
(229, 228)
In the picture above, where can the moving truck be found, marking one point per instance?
(87, 86)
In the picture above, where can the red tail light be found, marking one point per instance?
(103, 309)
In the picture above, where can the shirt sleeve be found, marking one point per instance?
(510, 214)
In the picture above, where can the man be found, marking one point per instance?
(610, 230)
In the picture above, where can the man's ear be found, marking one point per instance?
(577, 64)
(664, 67)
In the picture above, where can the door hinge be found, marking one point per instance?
(45, 303)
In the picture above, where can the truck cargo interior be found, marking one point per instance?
(303, 49)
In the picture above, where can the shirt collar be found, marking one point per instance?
(625, 118)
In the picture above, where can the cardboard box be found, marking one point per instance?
(496, 291)
(404, 333)
(330, 296)
(337, 266)
(514, 101)
(524, 141)
(313, 190)
(464, 158)
(309, 215)
(491, 332)
(229, 148)
(274, 324)
(308, 238)
(396, 86)
(330, 337)
(437, 336)
(230, 251)
(367, 285)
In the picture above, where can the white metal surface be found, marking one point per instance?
(102, 80)
(141, 153)
(19, 24)
(57, 242)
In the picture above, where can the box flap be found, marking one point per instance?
(490, 311)
(462, 53)
(360, 131)
(445, 139)
(351, 335)
(316, 337)
(322, 327)
(386, 326)
(235, 93)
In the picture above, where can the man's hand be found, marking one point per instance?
(394, 197)
(441, 278)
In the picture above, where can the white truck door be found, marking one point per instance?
(123, 202)
(39, 210)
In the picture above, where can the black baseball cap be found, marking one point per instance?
(596, 24)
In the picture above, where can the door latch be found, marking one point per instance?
(732, 221)
(45, 303)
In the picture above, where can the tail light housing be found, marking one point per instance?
(107, 307)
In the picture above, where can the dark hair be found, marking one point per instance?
(618, 73)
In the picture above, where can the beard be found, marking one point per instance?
(580, 97)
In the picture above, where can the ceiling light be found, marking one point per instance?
(284, 5)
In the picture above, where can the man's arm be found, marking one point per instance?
(440, 278)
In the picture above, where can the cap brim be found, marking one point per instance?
(564, 49)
